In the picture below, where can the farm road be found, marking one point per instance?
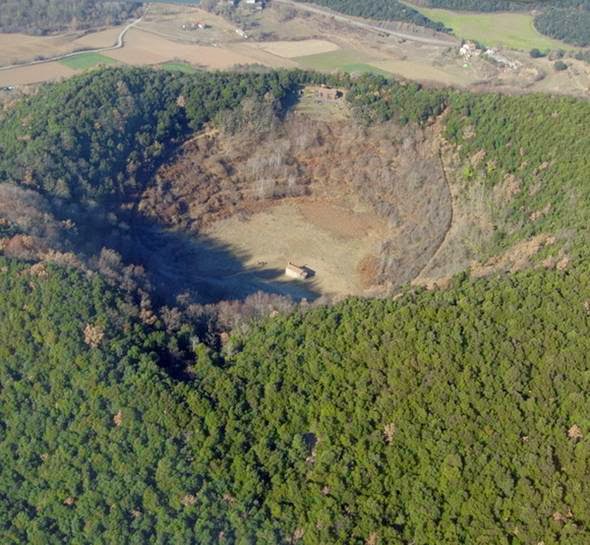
(120, 43)
(365, 26)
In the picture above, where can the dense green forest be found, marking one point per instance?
(44, 16)
(500, 5)
(451, 417)
(570, 25)
(385, 10)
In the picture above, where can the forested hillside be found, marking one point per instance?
(127, 416)
(444, 417)
(115, 126)
(529, 151)
(45, 16)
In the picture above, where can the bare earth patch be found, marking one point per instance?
(329, 238)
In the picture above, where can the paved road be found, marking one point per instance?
(366, 26)
(120, 43)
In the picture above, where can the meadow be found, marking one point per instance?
(343, 60)
(179, 67)
(512, 30)
(84, 61)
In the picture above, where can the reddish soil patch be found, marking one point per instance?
(339, 220)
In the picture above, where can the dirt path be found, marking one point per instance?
(365, 26)
(440, 245)
(120, 43)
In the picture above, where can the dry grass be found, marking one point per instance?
(318, 234)
(423, 71)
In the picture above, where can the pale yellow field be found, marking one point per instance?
(34, 74)
(19, 48)
(143, 48)
(96, 40)
(299, 48)
(423, 72)
(253, 51)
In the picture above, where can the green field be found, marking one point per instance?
(513, 30)
(179, 67)
(84, 61)
(343, 60)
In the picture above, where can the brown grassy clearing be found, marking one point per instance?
(422, 71)
(317, 234)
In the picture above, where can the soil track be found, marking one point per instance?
(145, 48)
(366, 26)
(418, 279)
(120, 43)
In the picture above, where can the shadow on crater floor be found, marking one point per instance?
(177, 263)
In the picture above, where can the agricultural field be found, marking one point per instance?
(27, 75)
(299, 48)
(183, 37)
(511, 30)
(143, 48)
(83, 61)
(342, 60)
(422, 71)
(21, 48)
(335, 60)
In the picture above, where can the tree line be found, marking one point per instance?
(46, 16)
